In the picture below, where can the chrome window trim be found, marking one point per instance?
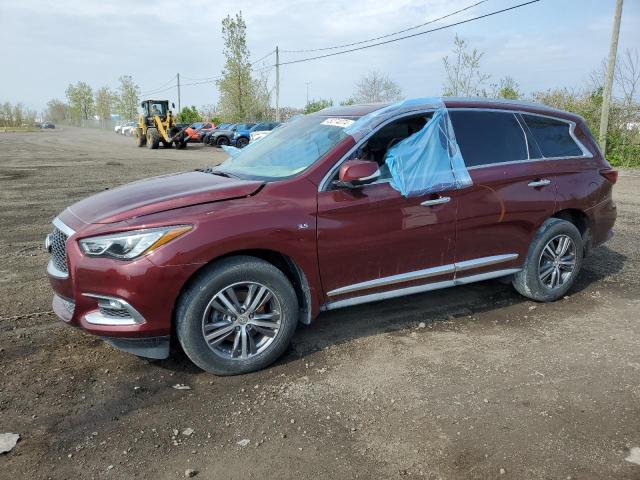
(68, 231)
(572, 125)
(325, 183)
(586, 153)
(425, 273)
(401, 292)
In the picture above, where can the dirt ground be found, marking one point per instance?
(470, 382)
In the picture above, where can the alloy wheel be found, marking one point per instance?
(557, 262)
(241, 320)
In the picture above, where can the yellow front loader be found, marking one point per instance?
(157, 125)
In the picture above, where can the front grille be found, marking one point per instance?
(58, 250)
(69, 305)
(114, 312)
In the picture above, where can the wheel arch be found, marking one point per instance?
(282, 262)
(581, 221)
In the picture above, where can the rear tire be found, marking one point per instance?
(167, 144)
(553, 262)
(141, 140)
(153, 138)
(222, 141)
(242, 142)
(237, 345)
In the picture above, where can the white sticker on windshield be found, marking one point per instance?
(338, 122)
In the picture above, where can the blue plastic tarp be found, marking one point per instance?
(429, 161)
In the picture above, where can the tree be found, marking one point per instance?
(236, 85)
(507, 88)
(80, 98)
(317, 105)
(105, 101)
(189, 115)
(376, 87)
(464, 77)
(57, 111)
(128, 98)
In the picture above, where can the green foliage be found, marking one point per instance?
(508, 88)
(57, 111)
(189, 115)
(105, 102)
(128, 98)
(464, 77)
(235, 85)
(81, 102)
(16, 115)
(317, 105)
(242, 97)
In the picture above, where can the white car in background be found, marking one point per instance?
(117, 128)
(255, 136)
(127, 128)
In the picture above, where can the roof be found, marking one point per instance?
(455, 102)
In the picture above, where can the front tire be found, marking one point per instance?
(222, 141)
(238, 316)
(553, 262)
(141, 140)
(242, 142)
(153, 138)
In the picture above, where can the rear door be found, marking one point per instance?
(513, 191)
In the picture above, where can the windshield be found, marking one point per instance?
(288, 150)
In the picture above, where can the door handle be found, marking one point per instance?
(435, 201)
(539, 183)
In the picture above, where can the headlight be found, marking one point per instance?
(128, 245)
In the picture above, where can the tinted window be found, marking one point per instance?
(552, 136)
(488, 137)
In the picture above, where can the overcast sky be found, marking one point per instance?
(48, 44)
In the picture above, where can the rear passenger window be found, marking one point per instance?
(488, 137)
(552, 136)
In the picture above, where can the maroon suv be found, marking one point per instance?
(228, 260)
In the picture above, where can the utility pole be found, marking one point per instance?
(277, 84)
(308, 83)
(608, 82)
(178, 77)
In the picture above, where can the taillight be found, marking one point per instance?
(610, 174)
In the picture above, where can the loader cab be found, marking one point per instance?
(153, 108)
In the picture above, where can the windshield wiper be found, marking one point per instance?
(214, 171)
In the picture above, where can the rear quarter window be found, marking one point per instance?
(488, 137)
(552, 136)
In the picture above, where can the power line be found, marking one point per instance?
(389, 34)
(267, 55)
(412, 35)
(160, 87)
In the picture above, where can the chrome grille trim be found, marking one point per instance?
(56, 244)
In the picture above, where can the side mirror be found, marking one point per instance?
(142, 104)
(358, 172)
(173, 105)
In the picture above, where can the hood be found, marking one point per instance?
(159, 194)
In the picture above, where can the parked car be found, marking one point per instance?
(193, 132)
(242, 137)
(309, 220)
(204, 134)
(225, 137)
(117, 128)
(47, 125)
(127, 128)
(206, 138)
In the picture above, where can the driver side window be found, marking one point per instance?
(375, 148)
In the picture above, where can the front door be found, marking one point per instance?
(371, 240)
